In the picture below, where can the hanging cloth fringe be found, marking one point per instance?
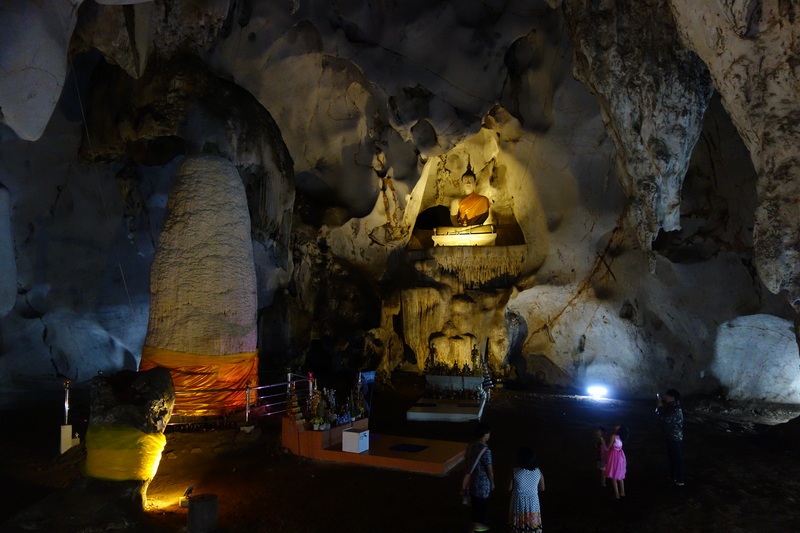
(208, 374)
(121, 453)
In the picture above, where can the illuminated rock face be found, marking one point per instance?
(635, 193)
(756, 359)
(203, 287)
(653, 93)
(750, 49)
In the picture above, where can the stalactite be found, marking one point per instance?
(475, 265)
(423, 314)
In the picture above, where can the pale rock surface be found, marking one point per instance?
(653, 94)
(203, 286)
(750, 49)
(33, 62)
(756, 358)
(645, 333)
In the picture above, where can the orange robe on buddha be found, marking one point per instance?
(474, 209)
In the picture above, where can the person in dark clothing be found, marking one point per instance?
(478, 459)
(671, 414)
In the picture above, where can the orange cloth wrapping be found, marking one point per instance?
(121, 453)
(194, 372)
(474, 209)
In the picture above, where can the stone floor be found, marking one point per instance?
(741, 477)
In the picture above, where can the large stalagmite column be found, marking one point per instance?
(203, 303)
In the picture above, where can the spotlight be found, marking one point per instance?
(597, 391)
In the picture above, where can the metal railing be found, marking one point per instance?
(264, 400)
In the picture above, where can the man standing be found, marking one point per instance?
(672, 423)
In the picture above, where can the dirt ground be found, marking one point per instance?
(740, 478)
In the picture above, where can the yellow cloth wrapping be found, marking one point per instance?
(122, 452)
(195, 372)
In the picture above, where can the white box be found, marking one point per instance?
(355, 440)
(67, 440)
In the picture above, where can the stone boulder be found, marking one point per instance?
(138, 402)
(756, 358)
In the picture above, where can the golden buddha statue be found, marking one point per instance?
(470, 216)
(471, 209)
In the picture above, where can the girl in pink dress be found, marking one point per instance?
(616, 464)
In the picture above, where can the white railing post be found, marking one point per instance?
(66, 402)
(247, 403)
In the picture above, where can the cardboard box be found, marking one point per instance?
(355, 440)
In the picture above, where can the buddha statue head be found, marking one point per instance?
(468, 181)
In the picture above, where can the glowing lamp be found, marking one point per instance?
(597, 391)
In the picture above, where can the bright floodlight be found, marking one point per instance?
(596, 391)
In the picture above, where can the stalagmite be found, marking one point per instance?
(202, 323)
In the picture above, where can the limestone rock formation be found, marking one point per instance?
(632, 187)
(755, 358)
(750, 49)
(203, 301)
(33, 65)
(179, 107)
(203, 279)
(653, 93)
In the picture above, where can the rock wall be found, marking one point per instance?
(653, 93)
(755, 359)
(633, 187)
(750, 49)
(8, 263)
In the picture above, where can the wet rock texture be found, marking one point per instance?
(627, 140)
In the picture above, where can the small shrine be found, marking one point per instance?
(336, 428)
(453, 392)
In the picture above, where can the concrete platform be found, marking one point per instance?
(386, 451)
(435, 410)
